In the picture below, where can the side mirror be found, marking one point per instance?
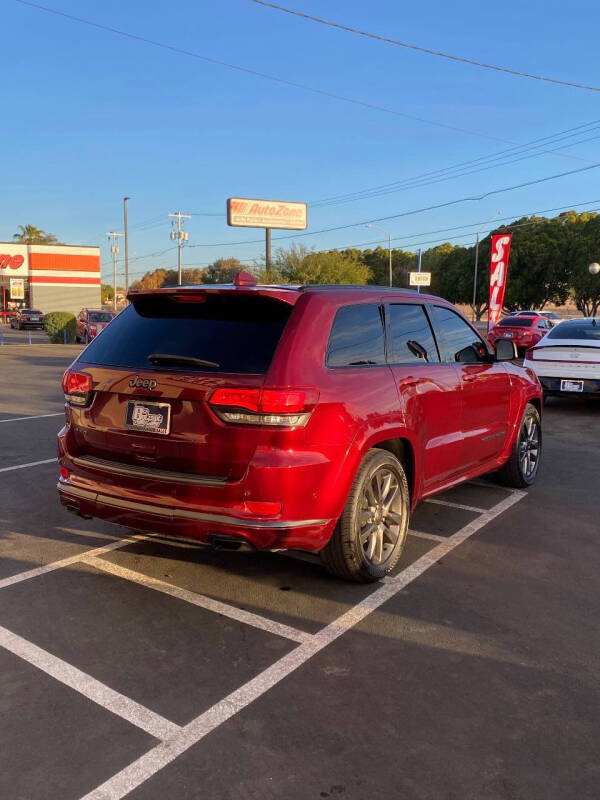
(505, 350)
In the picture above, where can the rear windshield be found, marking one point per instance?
(516, 322)
(584, 329)
(99, 316)
(239, 334)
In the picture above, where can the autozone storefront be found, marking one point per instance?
(48, 278)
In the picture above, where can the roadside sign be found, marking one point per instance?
(420, 279)
(245, 212)
(17, 289)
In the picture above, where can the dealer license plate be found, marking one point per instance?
(571, 386)
(507, 335)
(148, 417)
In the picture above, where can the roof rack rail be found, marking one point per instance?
(362, 286)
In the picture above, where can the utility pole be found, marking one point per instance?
(268, 247)
(114, 249)
(125, 199)
(389, 238)
(419, 270)
(180, 235)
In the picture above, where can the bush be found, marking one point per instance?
(56, 323)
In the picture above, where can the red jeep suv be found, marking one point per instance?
(290, 417)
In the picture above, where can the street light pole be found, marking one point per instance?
(475, 275)
(389, 238)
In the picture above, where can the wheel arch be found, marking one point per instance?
(537, 404)
(403, 449)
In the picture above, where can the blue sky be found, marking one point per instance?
(90, 116)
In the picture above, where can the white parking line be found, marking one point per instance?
(434, 501)
(30, 464)
(37, 416)
(433, 536)
(89, 687)
(247, 617)
(154, 760)
(66, 562)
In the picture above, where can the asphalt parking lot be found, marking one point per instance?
(10, 336)
(131, 666)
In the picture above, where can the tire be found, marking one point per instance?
(369, 559)
(522, 467)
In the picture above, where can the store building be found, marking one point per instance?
(48, 278)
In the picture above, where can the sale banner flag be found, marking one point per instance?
(498, 271)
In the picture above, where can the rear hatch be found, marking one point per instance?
(157, 364)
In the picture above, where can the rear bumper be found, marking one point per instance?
(262, 534)
(552, 386)
(199, 507)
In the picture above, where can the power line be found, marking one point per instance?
(470, 225)
(439, 54)
(416, 210)
(264, 75)
(405, 237)
(458, 170)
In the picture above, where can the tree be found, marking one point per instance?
(378, 261)
(538, 271)
(193, 275)
(584, 247)
(29, 234)
(223, 270)
(298, 265)
(152, 280)
(107, 293)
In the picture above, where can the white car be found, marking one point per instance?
(567, 359)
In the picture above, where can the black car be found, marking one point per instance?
(27, 318)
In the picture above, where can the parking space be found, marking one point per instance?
(138, 666)
(10, 336)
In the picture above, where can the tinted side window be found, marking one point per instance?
(411, 339)
(459, 342)
(356, 337)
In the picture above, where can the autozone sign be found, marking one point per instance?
(245, 212)
(8, 261)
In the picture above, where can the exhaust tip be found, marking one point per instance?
(73, 509)
(222, 541)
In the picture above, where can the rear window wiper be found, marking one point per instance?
(171, 358)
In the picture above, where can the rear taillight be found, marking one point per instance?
(530, 354)
(287, 408)
(77, 387)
